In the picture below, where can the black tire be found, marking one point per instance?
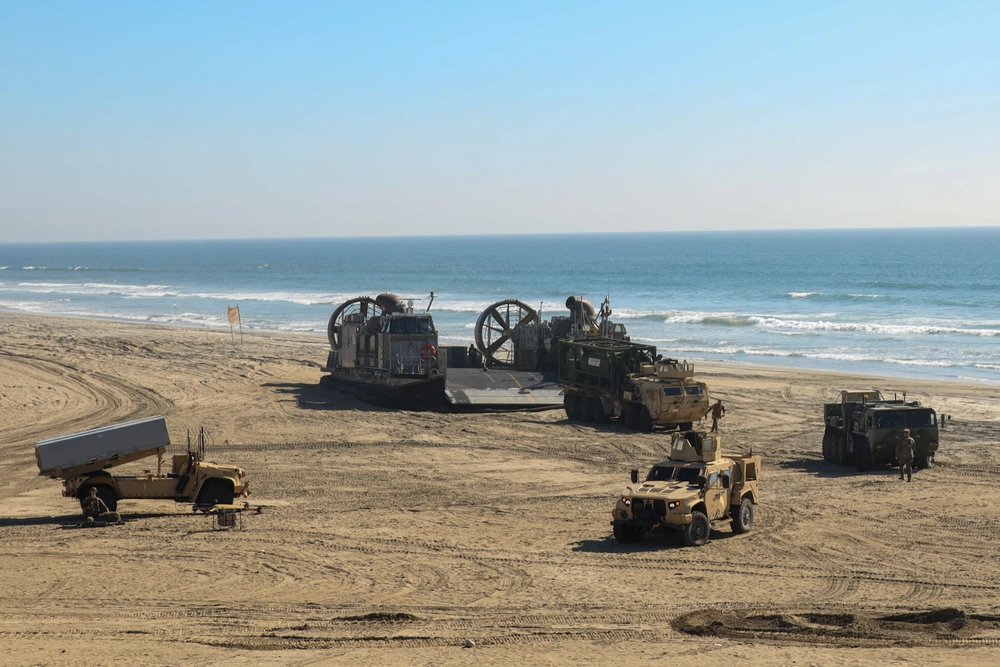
(583, 408)
(104, 492)
(828, 440)
(627, 534)
(686, 426)
(597, 413)
(630, 413)
(216, 492)
(843, 458)
(571, 405)
(696, 533)
(863, 455)
(923, 462)
(743, 517)
(645, 420)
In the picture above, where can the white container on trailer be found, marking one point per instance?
(101, 448)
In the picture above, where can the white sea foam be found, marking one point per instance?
(777, 322)
(803, 295)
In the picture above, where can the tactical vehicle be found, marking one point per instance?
(864, 427)
(605, 377)
(689, 490)
(82, 461)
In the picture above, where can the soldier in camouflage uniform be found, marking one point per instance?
(718, 412)
(95, 510)
(904, 455)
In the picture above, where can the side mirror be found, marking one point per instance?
(725, 482)
(635, 476)
(701, 481)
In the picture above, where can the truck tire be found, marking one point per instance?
(583, 408)
(685, 427)
(104, 492)
(216, 492)
(828, 446)
(863, 455)
(645, 420)
(696, 533)
(742, 517)
(627, 534)
(571, 405)
(597, 413)
(630, 413)
(923, 462)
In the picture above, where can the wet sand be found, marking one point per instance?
(394, 537)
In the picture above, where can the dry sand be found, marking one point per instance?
(394, 537)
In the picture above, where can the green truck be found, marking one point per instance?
(863, 429)
(604, 378)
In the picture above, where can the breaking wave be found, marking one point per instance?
(783, 323)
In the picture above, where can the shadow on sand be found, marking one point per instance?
(75, 520)
(318, 397)
(820, 468)
(657, 542)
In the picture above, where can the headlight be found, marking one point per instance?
(627, 502)
(673, 505)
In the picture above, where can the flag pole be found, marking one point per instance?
(240, 318)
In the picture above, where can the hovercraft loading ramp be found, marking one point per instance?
(497, 389)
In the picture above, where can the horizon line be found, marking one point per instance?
(523, 234)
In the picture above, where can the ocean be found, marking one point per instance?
(909, 303)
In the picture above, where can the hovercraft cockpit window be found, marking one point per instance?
(411, 325)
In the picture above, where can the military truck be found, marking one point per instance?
(82, 461)
(864, 427)
(695, 486)
(605, 378)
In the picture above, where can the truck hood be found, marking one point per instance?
(661, 490)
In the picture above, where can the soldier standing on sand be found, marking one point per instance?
(718, 411)
(904, 454)
(94, 509)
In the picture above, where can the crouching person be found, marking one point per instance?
(94, 510)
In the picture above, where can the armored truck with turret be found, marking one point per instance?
(83, 460)
(863, 428)
(604, 378)
(692, 488)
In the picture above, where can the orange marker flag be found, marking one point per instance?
(234, 319)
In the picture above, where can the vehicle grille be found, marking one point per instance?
(641, 507)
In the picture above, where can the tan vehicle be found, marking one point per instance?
(82, 461)
(605, 377)
(689, 490)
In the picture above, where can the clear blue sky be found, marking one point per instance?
(146, 120)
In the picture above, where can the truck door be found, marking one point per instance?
(716, 497)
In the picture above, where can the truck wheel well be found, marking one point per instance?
(217, 491)
(700, 507)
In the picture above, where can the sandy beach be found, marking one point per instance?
(397, 538)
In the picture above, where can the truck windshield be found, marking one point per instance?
(889, 420)
(661, 473)
(688, 474)
(694, 390)
(671, 391)
(920, 418)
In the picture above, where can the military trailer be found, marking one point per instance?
(606, 377)
(695, 486)
(82, 461)
(864, 427)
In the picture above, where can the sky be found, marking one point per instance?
(188, 120)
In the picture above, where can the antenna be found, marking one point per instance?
(431, 303)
